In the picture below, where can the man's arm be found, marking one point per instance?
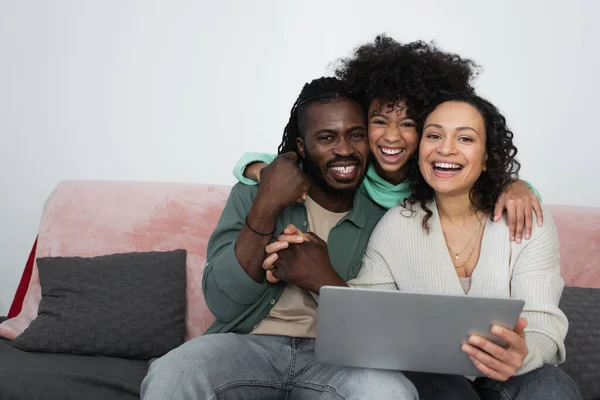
(227, 286)
(233, 277)
(257, 231)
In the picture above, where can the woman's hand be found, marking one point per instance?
(497, 362)
(519, 202)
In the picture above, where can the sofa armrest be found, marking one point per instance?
(17, 303)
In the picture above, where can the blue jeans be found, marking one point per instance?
(545, 383)
(232, 366)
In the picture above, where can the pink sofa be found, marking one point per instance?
(89, 218)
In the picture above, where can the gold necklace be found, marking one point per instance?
(457, 255)
(466, 261)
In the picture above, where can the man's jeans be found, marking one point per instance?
(232, 366)
(545, 383)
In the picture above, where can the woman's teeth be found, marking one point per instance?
(446, 166)
(449, 169)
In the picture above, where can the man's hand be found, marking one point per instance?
(253, 172)
(300, 258)
(494, 361)
(519, 201)
(282, 182)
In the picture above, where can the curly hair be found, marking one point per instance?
(502, 168)
(416, 72)
(319, 91)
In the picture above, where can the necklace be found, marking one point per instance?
(466, 261)
(457, 255)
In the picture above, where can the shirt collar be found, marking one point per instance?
(362, 209)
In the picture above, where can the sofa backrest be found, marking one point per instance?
(91, 218)
(579, 235)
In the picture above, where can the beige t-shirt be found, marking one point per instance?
(295, 314)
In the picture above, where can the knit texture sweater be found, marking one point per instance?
(401, 255)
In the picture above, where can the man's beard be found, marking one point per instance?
(315, 175)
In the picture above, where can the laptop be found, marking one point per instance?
(405, 331)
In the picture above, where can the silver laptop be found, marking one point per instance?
(406, 331)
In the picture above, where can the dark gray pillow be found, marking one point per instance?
(129, 305)
(582, 308)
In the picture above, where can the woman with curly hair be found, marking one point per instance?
(466, 160)
(396, 82)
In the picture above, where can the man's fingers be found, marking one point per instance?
(302, 198)
(274, 247)
(290, 155)
(306, 187)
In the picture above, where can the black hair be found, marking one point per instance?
(502, 168)
(416, 72)
(319, 91)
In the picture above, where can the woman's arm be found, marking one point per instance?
(374, 271)
(536, 279)
(247, 169)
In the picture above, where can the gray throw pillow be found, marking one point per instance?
(129, 305)
(583, 338)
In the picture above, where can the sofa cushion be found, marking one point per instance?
(29, 375)
(128, 305)
(92, 218)
(583, 339)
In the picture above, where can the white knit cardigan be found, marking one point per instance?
(402, 256)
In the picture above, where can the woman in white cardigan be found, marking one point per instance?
(441, 241)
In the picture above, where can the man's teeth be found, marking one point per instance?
(447, 165)
(391, 152)
(344, 170)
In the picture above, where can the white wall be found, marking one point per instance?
(177, 90)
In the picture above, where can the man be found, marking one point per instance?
(262, 344)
